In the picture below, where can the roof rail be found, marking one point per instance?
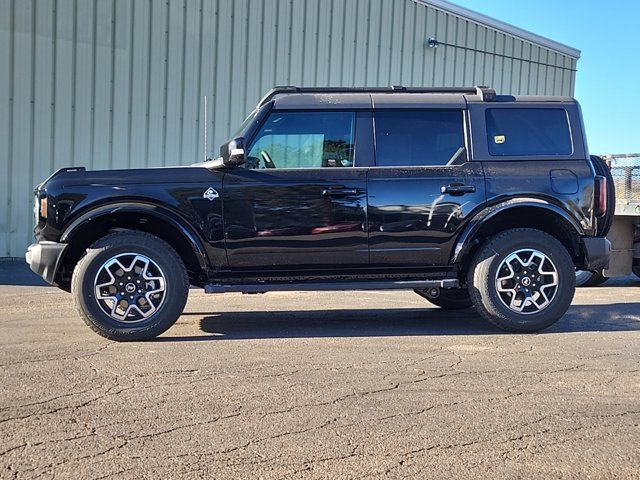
(487, 94)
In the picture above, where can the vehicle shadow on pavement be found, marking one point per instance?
(16, 272)
(397, 322)
(344, 323)
(612, 317)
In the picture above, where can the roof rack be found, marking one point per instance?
(487, 94)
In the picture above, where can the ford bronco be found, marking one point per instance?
(471, 199)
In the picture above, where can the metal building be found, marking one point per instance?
(120, 83)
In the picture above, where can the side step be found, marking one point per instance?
(329, 286)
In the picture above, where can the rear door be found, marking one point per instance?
(300, 201)
(423, 189)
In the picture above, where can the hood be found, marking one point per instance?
(79, 176)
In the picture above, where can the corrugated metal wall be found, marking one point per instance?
(119, 83)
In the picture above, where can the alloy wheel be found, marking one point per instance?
(527, 281)
(130, 287)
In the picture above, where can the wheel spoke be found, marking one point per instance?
(536, 255)
(538, 304)
(516, 303)
(519, 259)
(511, 274)
(115, 261)
(115, 314)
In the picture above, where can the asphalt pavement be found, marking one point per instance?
(319, 385)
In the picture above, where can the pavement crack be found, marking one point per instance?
(4, 452)
(60, 358)
(113, 390)
(48, 400)
(180, 427)
(274, 437)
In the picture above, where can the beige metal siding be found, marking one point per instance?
(119, 83)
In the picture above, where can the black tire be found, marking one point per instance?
(483, 272)
(592, 280)
(120, 243)
(451, 299)
(636, 270)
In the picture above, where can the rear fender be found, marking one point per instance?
(466, 238)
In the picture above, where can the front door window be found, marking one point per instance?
(304, 140)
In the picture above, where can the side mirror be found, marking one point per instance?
(233, 154)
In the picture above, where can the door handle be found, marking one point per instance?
(339, 192)
(458, 189)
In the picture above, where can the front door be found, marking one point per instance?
(422, 191)
(300, 201)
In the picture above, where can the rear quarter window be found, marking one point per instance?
(528, 131)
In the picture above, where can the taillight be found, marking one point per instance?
(600, 197)
(43, 207)
(40, 206)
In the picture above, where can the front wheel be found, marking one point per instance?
(130, 286)
(522, 280)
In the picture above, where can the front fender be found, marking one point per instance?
(465, 239)
(162, 214)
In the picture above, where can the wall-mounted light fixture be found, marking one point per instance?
(431, 42)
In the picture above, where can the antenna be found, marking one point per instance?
(205, 128)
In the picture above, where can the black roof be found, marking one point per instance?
(486, 94)
(292, 97)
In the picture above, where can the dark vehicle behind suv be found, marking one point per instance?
(467, 197)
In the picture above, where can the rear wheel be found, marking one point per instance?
(450, 299)
(522, 280)
(130, 286)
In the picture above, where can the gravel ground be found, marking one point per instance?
(319, 385)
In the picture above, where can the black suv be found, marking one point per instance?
(467, 197)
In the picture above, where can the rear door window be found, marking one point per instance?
(408, 138)
(528, 131)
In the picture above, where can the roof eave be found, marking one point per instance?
(491, 22)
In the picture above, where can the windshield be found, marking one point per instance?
(245, 124)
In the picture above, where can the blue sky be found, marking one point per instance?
(608, 77)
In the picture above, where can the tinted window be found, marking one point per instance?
(417, 137)
(528, 131)
(304, 140)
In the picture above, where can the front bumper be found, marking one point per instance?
(44, 258)
(596, 251)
